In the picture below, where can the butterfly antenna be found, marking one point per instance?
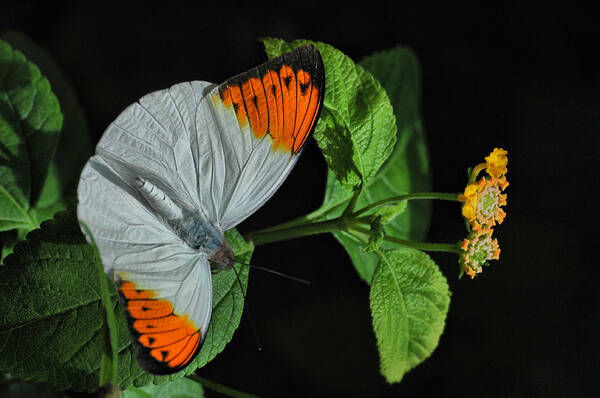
(247, 308)
(299, 280)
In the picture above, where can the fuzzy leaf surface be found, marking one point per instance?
(74, 146)
(409, 302)
(30, 125)
(180, 388)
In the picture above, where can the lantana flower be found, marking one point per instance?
(478, 248)
(483, 200)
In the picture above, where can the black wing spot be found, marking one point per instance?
(164, 355)
(145, 309)
(236, 106)
(287, 81)
(274, 90)
(304, 87)
(255, 101)
(149, 326)
(151, 340)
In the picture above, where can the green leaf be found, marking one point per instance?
(52, 328)
(180, 388)
(409, 302)
(30, 125)
(73, 150)
(375, 237)
(390, 211)
(74, 147)
(356, 130)
(406, 169)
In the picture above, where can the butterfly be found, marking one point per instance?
(174, 171)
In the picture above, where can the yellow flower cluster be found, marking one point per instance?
(482, 208)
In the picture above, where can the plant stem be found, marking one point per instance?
(430, 247)
(231, 392)
(475, 172)
(350, 208)
(312, 228)
(410, 196)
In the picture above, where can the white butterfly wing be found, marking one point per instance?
(167, 295)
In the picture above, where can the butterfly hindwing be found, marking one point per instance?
(164, 286)
(168, 313)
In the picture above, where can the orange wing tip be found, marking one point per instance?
(164, 342)
(281, 98)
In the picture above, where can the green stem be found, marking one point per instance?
(409, 196)
(430, 247)
(269, 235)
(475, 172)
(350, 208)
(308, 219)
(231, 392)
(109, 361)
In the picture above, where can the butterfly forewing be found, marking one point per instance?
(267, 114)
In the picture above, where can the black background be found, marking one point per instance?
(521, 77)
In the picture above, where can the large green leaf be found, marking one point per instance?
(75, 146)
(53, 315)
(30, 125)
(409, 302)
(180, 388)
(406, 170)
(356, 130)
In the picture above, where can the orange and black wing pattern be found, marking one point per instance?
(281, 98)
(164, 341)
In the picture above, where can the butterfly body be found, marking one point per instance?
(172, 173)
(198, 233)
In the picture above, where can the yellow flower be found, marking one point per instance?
(496, 163)
(477, 249)
(470, 199)
(483, 199)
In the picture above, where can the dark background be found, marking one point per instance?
(521, 77)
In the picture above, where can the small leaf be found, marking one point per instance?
(406, 169)
(30, 125)
(375, 237)
(390, 211)
(180, 388)
(409, 303)
(356, 130)
(52, 328)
